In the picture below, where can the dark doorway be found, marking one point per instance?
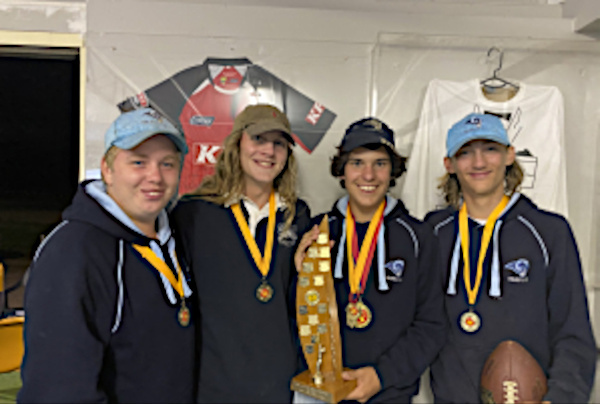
(39, 148)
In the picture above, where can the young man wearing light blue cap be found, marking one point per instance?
(513, 272)
(107, 301)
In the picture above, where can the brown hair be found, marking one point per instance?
(227, 181)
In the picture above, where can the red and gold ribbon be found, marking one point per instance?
(359, 262)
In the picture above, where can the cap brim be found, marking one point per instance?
(491, 137)
(268, 126)
(362, 138)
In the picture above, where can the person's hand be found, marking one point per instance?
(367, 383)
(305, 242)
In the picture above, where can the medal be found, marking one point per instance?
(264, 292)
(358, 314)
(364, 315)
(351, 314)
(183, 315)
(470, 321)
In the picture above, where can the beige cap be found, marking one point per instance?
(261, 118)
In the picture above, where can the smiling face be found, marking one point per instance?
(262, 158)
(367, 176)
(480, 166)
(143, 180)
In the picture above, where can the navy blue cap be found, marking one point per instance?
(367, 131)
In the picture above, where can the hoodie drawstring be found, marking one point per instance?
(117, 322)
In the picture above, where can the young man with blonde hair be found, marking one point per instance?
(513, 272)
(239, 230)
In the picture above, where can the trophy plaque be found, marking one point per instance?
(318, 325)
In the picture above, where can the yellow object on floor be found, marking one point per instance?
(11, 343)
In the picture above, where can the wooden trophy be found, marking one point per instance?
(318, 325)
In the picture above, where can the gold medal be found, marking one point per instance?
(470, 321)
(351, 314)
(312, 297)
(358, 314)
(264, 292)
(364, 315)
(183, 315)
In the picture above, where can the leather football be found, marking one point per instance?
(511, 375)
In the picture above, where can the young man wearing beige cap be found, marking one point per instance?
(108, 303)
(239, 231)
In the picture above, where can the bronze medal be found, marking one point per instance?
(183, 315)
(470, 321)
(264, 292)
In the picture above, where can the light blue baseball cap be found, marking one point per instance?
(133, 127)
(475, 127)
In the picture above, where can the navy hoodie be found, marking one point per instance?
(532, 292)
(101, 323)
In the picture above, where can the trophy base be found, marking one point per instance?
(329, 392)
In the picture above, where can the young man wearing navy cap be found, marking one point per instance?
(388, 290)
(513, 272)
(107, 301)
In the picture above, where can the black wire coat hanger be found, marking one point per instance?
(492, 82)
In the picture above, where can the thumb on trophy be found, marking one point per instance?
(307, 239)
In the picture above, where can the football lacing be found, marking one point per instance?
(511, 392)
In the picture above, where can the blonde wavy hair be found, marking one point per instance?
(453, 195)
(228, 179)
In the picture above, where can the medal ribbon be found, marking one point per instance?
(463, 227)
(358, 273)
(263, 263)
(163, 268)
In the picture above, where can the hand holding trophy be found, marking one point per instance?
(318, 325)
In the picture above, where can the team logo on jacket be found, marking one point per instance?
(520, 269)
(396, 268)
(287, 237)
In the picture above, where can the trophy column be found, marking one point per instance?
(318, 325)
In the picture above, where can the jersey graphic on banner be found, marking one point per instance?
(204, 100)
(534, 120)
